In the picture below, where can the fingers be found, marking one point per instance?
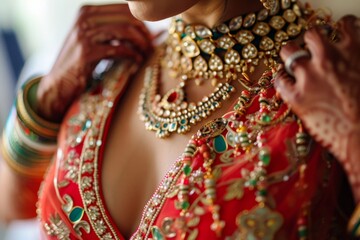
(105, 19)
(108, 33)
(349, 30)
(93, 16)
(317, 43)
(284, 85)
(123, 51)
(104, 24)
(297, 64)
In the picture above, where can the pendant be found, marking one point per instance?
(172, 113)
(259, 223)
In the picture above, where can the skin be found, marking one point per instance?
(88, 42)
(325, 92)
(97, 28)
(91, 39)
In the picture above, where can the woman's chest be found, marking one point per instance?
(108, 166)
(134, 162)
(109, 156)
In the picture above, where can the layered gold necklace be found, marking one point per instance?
(220, 55)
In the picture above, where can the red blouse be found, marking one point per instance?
(241, 177)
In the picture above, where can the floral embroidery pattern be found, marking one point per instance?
(57, 228)
(198, 174)
(238, 141)
(85, 132)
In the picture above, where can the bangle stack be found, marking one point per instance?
(29, 141)
(354, 223)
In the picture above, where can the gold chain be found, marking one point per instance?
(227, 52)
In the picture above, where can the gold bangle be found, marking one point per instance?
(354, 223)
(32, 172)
(32, 120)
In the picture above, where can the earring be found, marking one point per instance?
(271, 5)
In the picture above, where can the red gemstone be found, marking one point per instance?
(185, 181)
(245, 93)
(187, 160)
(172, 97)
(265, 94)
(302, 221)
(27, 131)
(203, 148)
(206, 155)
(201, 142)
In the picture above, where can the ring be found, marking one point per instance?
(292, 58)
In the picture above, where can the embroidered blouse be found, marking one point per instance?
(241, 177)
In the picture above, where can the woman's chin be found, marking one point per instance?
(158, 10)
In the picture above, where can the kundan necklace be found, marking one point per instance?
(226, 52)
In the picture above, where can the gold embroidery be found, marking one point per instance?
(75, 215)
(57, 228)
(86, 129)
(259, 223)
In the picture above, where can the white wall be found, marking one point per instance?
(339, 7)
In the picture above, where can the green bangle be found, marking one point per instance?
(23, 155)
(25, 102)
(33, 172)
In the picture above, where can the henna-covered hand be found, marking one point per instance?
(326, 92)
(100, 32)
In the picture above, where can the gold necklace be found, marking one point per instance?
(227, 52)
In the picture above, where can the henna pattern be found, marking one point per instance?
(326, 94)
(91, 39)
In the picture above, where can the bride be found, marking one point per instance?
(244, 119)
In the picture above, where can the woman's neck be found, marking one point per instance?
(211, 13)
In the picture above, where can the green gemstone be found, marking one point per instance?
(156, 233)
(76, 214)
(187, 170)
(252, 182)
(220, 144)
(262, 192)
(302, 231)
(265, 159)
(185, 205)
(87, 125)
(173, 127)
(266, 118)
(157, 126)
(264, 156)
(183, 121)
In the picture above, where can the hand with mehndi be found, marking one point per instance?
(100, 32)
(326, 92)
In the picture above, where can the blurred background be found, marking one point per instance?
(31, 35)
